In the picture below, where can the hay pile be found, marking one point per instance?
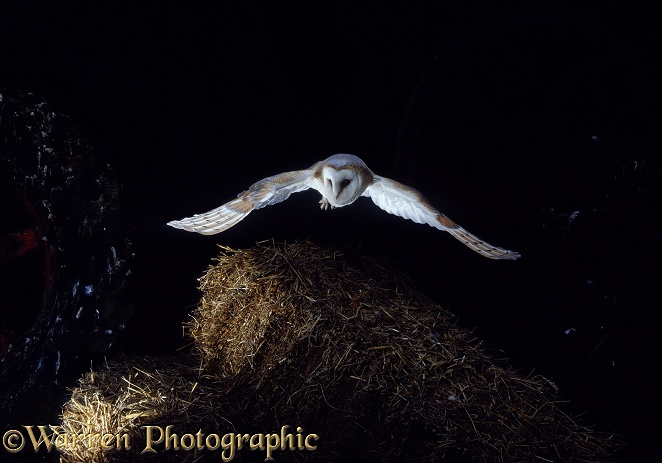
(130, 393)
(298, 335)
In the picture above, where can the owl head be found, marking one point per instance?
(344, 178)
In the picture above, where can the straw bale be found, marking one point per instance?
(337, 345)
(133, 392)
(351, 349)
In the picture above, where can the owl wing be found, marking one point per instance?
(401, 200)
(268, 191)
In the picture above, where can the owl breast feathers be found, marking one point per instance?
(341, 179)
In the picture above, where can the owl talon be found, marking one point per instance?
(324, 204)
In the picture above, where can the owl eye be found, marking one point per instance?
(346, 182)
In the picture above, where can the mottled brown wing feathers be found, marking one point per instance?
(401, 200)
(268, 191)
(473, 242)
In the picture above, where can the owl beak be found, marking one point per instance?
(336, 190)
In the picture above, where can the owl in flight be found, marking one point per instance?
(341, 179)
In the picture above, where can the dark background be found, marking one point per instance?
(536, 128)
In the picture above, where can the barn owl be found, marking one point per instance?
(341, 179)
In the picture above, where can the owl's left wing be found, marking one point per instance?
(404, 201)
(268, 191)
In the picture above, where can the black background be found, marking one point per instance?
(536, 128)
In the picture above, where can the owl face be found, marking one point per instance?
(342, 186)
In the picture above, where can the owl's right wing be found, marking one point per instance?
(268, 191)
